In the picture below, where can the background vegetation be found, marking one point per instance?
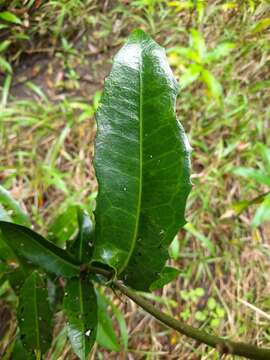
(54, 56)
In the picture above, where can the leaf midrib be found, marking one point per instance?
(49, 251)
(140, 167)
(36, 313)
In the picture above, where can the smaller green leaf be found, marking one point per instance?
(167, 275)
(254, 174)
(185, 52)
(34, 315)
(38, 250)
(200, 6)
(240, 206)
(83, 245)
(106, 336)
(214, 323)
(9, 17)
(261, 25)
(203, 239)
(263, 212)
(19, 352)
(197, 43)
(212, 83)
(190, 75)
(264, 151)
(17, 214)
(63, 226)
(4, 214)
(120, 319)
(260, 85)
(220, 312)
(211, 303)
(200, 316)
(5, 90)
(80, 307)
(16, 269)
(199, 292)
(59, 344)
(4, 65)
(3, 26)
(174, 249)
(4, 45)
(221, 50)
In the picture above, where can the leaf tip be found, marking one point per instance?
(138, 35)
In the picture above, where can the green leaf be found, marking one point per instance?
(120, 319)
(197, 43)
(106, 336)
(19, 352)
(263, 212)
(16, 213)
(80, 307)
(34, 314)
(221, 50)
(254, 174)
(167, 275)
(240, 206)
(212, 83)
(185, 52)
(261, 25)
(211, 303)
(4, 65)
(59, 344)
(264, 152)
(203, 239)
(9, 17)
(16, 271)
(142, 164)
(174, 249)
(190, 75)
(4, 45)
(83, 245)
(63, 226)
(38, 250)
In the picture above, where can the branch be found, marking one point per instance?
(223, 346)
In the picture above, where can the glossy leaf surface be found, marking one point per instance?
(167, 275)
(10, 210)
(34, 315)
(19, 352)
(82, 248)
(63, 226)
(16, 269)
(80, 306)
(38, 250)
(141, 162)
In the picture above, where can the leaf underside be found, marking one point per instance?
(34, 315)
(80, 306)
(142, 160)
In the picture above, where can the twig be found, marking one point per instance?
(222, 345)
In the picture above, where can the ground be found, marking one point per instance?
(54, 60)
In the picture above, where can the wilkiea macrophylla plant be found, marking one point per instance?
(142, 164)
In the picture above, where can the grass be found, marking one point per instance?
(58, 54)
